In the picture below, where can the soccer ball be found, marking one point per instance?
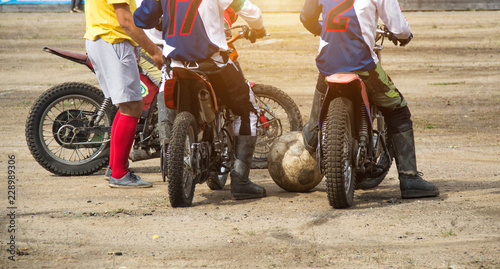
(291, 166)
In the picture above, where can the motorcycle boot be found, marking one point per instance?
(411, 183)
(241, 186)
(311, 128)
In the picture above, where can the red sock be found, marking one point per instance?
(111, 146)
(122, 141)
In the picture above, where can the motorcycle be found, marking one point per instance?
(352, 148)
(68, 127)
(201, 147)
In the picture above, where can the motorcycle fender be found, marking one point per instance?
(71, 55)
(168, 93)
(148, 92)
(338, 80)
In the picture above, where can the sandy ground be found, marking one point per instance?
(449, 74)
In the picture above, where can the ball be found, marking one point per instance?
(291, 166)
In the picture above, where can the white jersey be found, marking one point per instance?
(194, 30)
(348, 31)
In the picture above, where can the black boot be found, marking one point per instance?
(241, 186)
(410, 182)
(311, 128)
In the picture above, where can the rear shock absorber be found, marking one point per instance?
(363, 126)
(363, 138)
(100, 113)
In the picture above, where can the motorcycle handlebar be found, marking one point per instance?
(241, 33)
(381, 33)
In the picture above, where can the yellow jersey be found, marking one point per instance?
(101, 21)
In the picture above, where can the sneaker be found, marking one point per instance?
(108, 172)
(77, 10)
(130, 180)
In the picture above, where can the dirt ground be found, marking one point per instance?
(450, 75)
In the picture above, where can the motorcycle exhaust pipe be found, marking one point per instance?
(140, 154)
(206, 106)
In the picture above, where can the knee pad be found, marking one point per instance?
(232, 88)
(398, 120)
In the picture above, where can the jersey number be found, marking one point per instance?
(187, 24)
(336, 23)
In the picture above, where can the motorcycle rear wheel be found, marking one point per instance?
(278, 115)
(68, 105)
(338, 147)
(180, 164)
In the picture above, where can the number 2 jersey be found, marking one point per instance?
(193, 30)
(348, 30)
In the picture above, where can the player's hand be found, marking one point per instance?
(158, 58)
(253, 34)
(402, 42)
(159, 27)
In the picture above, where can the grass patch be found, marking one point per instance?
(429, 126)
(447, 83)
(449, 233)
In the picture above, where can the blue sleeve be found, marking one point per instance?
(148, 15)
(310, 15)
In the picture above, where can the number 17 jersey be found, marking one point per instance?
(193, 30)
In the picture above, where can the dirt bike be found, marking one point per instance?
(353, 151)
(68, 127)
(201, 145)
(278, 112)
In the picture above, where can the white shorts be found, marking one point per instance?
(115, 66)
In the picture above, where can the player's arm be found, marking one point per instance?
(310, 16)
(126, 21)
(148, 15)
(249, 12)
(252, 15)
(390, 13)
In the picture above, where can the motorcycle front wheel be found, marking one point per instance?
(278, 115)
(181, 172)
(53, 130)
(338, 147)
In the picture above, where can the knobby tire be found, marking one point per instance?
(181, 178)
(54, 162)
(338, 145)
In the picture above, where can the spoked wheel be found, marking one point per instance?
(338, 147)
(62, 133)
(217, 179)
(383, 160)
(278, 115)
(180, 163)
